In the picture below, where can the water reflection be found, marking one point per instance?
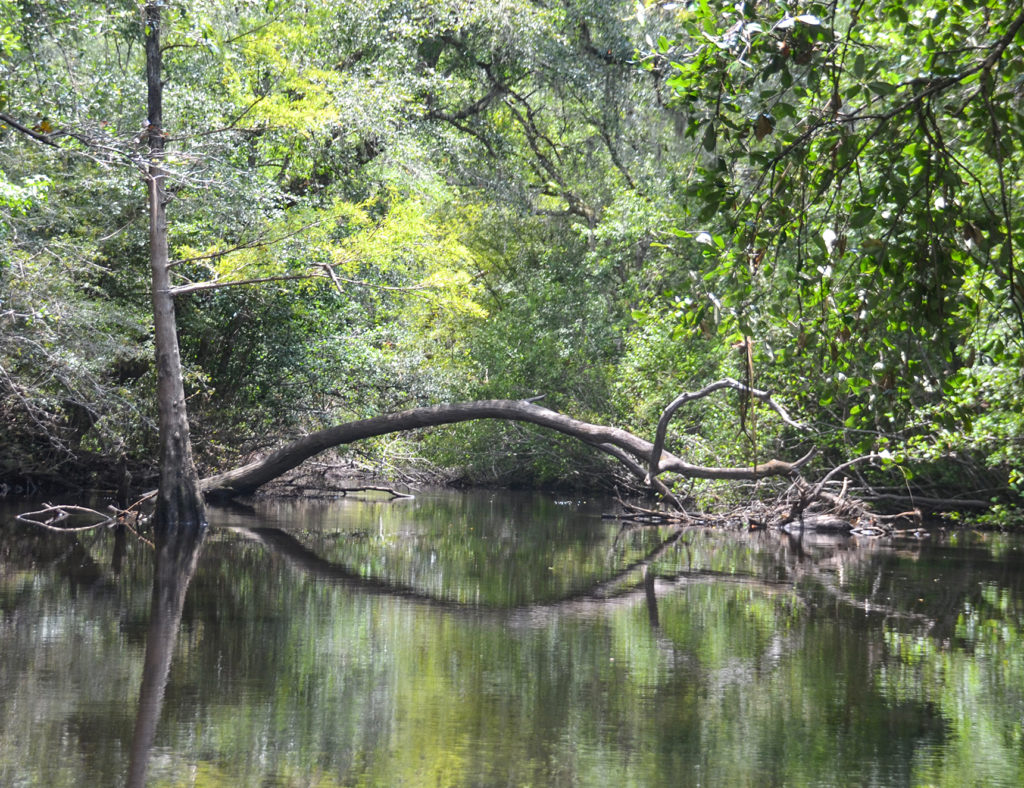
(493, 640)
(176, 557)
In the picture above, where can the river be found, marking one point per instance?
(493, 639)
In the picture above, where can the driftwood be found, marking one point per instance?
(803, 507)
(51, 514)
(395, 494)
(635, 453)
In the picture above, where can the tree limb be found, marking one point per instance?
(659, 439)
(46, 139)
(179, 290)
(326, 272)
(816, 492)
(612, 440)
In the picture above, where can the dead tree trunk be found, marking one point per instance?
(635, 453)
(179, 503)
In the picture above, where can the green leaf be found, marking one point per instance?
(710, 140)
(862, 216)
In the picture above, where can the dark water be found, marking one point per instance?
(486, 639)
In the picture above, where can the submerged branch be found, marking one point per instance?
(50, 515)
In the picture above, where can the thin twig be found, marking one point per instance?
(849, 463)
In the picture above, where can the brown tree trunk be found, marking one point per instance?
(179, 504)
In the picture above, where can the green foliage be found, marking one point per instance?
(17, 199)
(854, 185)
(664, 357)
(598, 202)
(74, 374)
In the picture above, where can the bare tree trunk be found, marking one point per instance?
(179, 504)
(635, 453)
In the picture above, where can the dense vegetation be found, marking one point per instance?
(603, 202)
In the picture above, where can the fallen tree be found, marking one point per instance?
(643, 459)
(803, 505)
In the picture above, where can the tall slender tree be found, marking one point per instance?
(179, 505)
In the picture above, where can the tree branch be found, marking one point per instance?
(218, 285)
(612, 440)
(659, 439)
(46, 139)
(326, 272)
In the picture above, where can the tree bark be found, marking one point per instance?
(179, 503)
(611, 440)
(690, 396)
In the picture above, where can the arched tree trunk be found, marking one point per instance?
(635, 453)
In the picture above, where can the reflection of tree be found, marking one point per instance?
(613, 589)
(827, 561)
(806, 566)
(753, 660)
(823, 564)
(176, 560)
(730, 654)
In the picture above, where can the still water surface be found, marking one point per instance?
(479, 639)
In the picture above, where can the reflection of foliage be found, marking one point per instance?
(764, 661)
(976, 684)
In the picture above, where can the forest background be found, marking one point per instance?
(377, 205)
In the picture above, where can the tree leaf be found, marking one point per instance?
(710, 139)
(862, 216)
(763, 126)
